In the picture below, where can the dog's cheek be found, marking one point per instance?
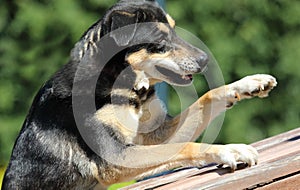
(135, 59)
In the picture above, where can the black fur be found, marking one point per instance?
(49, 152)
(40, 157)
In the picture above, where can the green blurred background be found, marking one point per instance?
(245, 36)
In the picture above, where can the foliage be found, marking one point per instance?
(120, 185)
(36, 38)
(1, 175)
(248, 37)
(245, 36)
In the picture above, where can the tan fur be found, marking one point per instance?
(171, 21)
(155, 142)
(126, 13)
(126, 124)
(137, 59)
(163, 27)
(132, 136)
(168, 146)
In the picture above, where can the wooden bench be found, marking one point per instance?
(278, 168)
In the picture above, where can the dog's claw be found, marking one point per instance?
(231, 154)
(255, 85)
(262, 88)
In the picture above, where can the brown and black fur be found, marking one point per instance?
(50, 151)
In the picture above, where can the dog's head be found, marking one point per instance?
(153, 47)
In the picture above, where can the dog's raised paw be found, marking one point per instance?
(231, 154)
(255, 85)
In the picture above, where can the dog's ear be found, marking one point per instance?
(123, 26)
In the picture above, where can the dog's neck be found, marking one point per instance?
(119, 80)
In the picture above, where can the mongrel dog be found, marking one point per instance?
(51, 153)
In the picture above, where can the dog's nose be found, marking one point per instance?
(202, 62)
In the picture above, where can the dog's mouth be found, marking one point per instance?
(173, 77)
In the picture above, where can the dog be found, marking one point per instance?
(98, 121)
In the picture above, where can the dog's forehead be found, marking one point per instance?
(138, 1)
(150, 7)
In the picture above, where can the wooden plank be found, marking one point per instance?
(280, 152)
(272, 141)
(243, 180)
(255, 175)
(289, 183)
(215, 173)
(279, 156)
(165, 179)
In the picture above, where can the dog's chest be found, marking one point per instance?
(133, 116)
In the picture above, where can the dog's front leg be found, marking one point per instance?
(137, 161)
(188, 126)
(191, 123)
(195, 119)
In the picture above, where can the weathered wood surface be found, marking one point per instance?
(278, 168)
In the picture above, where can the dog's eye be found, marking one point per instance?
(161, 48)
(158, 47)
